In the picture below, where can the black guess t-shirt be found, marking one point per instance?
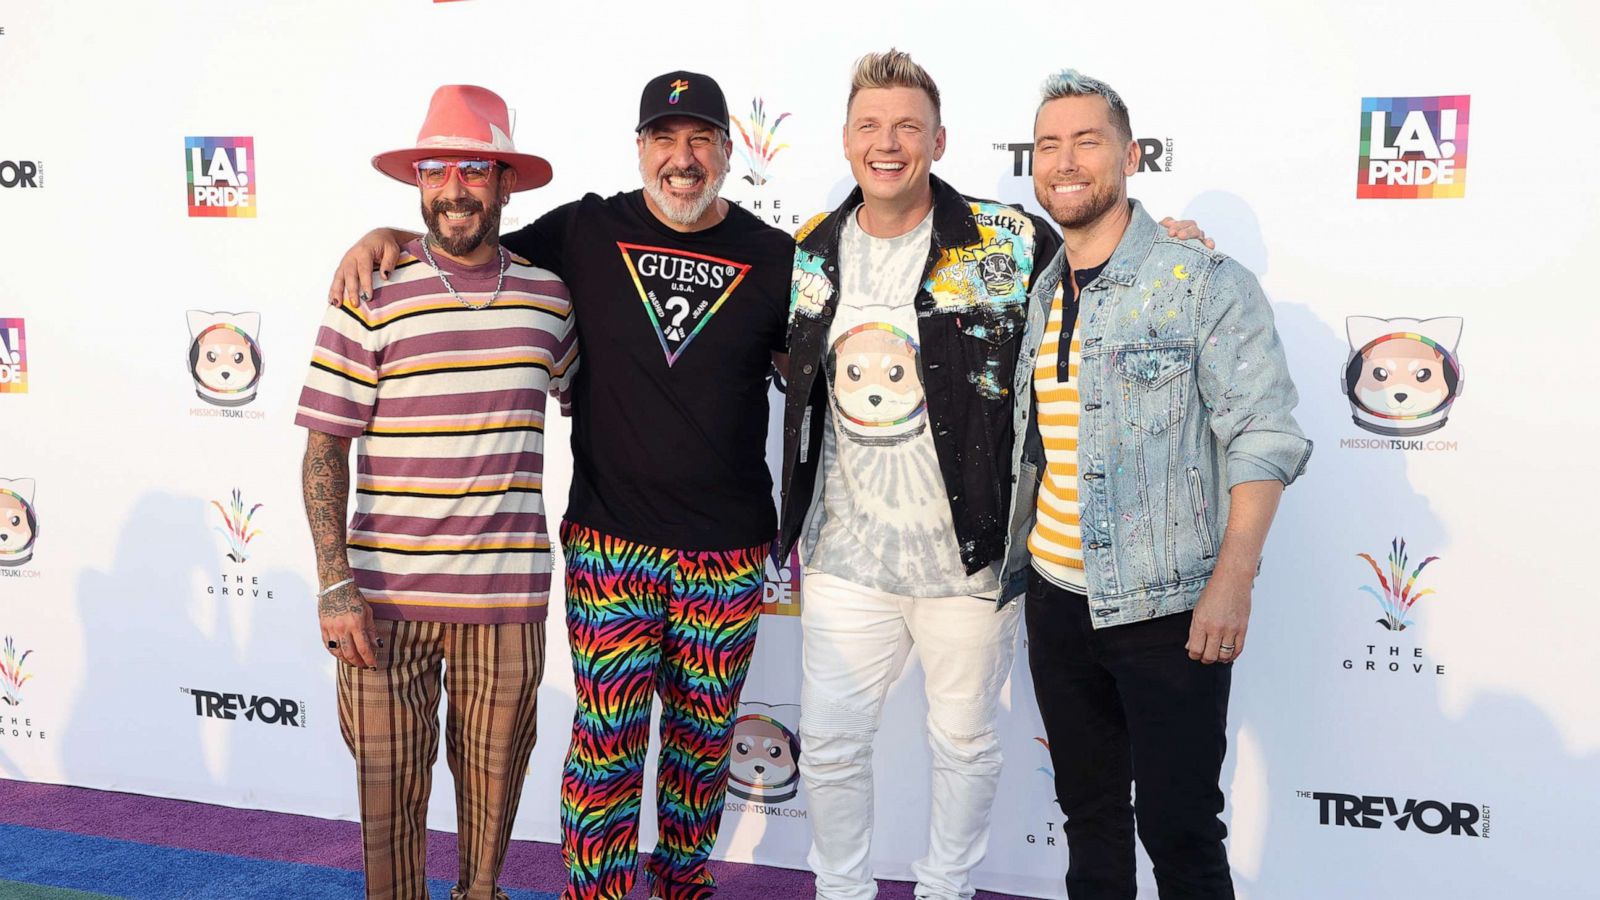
(676, 333)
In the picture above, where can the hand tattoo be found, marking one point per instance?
(342, 601)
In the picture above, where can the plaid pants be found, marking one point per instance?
(642, 621)
(390, 720)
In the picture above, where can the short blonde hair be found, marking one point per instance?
(890, 69)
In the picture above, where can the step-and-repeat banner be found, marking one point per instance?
(1415, 715)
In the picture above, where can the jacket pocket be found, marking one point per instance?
(1155, 385)
(1202, 523)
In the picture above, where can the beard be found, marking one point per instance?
(1073, 210)
(683, 212)
(462, 244)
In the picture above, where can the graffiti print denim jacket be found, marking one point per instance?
(1184, 393)
(970, 306)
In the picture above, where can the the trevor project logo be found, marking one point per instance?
(1373, 812)
(222, 180)
(760, 142)
(21, 173)
(1413, 148)
(13, 357)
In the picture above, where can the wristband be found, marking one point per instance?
(333, 587)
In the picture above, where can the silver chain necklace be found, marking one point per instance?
(499, 283)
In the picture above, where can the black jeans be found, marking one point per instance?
(1121, 704)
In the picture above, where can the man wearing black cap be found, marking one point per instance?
(681, 301)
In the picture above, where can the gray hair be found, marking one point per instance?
(1072, 83)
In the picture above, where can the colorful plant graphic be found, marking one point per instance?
(238, 530)
(11, 677)
(758, 153)
(1399, 591)
(1048, 772)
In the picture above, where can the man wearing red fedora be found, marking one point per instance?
(440, 377)
(682, 301)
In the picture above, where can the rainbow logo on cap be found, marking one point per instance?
(678, 87)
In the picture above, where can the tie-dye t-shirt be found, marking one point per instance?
(883, 520)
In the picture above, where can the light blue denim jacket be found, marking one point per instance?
(1184, 393)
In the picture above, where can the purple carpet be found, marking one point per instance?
(281, 837)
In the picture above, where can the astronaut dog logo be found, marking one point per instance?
(765, 765)
(1402, 375)
(19, 524)
(877, 387)
(225, 356)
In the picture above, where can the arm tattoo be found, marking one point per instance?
(325, 482)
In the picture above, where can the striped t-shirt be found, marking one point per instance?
(1055, 543)
(448, 404)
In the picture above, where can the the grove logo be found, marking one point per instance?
(760, 145)
(1396, 591)
(12, 676)
(1373, 812)
(236, 528)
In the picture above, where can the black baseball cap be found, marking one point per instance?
(683, 94)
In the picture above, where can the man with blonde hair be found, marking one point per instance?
(906, 307)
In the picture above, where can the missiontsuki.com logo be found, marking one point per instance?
(222, 180)
(19, 527)
(225, 360)
(1413, 148)
(13, 357)
(1402, 378)
(764, 766)
(1397, 587)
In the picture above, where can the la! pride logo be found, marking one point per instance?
(1413, 148)
(221, 177)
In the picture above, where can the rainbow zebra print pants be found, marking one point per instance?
(643, 620)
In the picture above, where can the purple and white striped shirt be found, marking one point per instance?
(448, 405)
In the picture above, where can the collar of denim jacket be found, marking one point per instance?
(1134, 248)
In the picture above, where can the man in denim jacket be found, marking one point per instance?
(1150, 465)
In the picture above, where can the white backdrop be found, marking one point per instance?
(130, 622)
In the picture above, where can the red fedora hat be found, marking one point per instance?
(465, 120)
